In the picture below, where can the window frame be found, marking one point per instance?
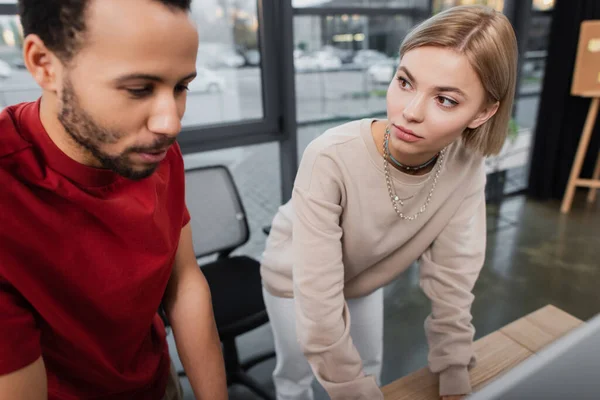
(279, 123)
(9, 9)
(197, 138)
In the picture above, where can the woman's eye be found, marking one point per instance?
(404, 84)
(446, 102)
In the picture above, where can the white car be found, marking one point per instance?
(382, 72)
(327, 61)
(219, 55)
(5, 70)
(207, 81)
(305, 63)
(321, 60)
(366, 58)
(230, 59)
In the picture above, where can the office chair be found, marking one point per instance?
(219, 226)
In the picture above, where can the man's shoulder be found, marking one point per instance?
(15, 151)
(11, 141)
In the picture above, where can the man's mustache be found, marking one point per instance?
(161, 144)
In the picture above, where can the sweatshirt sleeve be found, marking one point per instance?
(322, 316)
(448, 272)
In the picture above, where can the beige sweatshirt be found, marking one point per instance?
(339, 237)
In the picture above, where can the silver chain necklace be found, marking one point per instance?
(392, 190)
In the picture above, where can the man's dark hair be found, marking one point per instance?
(61, 23)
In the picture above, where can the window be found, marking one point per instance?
(228, 87)
(535, 34)
(534, 62)
(344, 62)
(240, 99)
(16, 84)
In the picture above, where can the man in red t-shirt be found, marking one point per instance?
(94, 231)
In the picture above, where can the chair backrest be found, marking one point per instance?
(219, 221)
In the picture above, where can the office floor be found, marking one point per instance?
(535, 256)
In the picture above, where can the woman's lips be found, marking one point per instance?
(406, 135)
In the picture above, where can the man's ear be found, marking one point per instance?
(484, 115)
(42, 64)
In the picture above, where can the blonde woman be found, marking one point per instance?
(372, 196)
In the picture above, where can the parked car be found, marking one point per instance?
(215, 55)
(366, 58)
(230, 59)
(12, 56)
(327, 61)
(346, 56)
(207, 81)
(304, 62)
(5, 70)
(382, 72)
(252, 57)
(320, 60)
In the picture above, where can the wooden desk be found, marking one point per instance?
(496, 353)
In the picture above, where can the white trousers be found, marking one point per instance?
(293, 375)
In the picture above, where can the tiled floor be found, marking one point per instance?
(536, 256)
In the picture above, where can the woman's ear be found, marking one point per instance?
(484, 115)
(41, 62)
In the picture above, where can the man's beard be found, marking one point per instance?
(91, 136)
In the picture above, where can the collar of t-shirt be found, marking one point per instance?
(32, 129)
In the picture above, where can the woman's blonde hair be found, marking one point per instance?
(488, 40)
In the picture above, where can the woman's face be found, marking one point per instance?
(434, 96)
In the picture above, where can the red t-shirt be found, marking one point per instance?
(85, 257)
